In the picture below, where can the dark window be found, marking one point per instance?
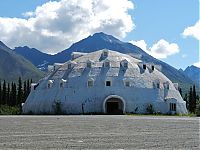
(127, 83)
(158, 85)
(89, 64)
(172, 106)
(69, 66)
(168, 86)
(125, 65)
(144, 66)
(152, 67)
(90, 83)
(105, 53)
(49, 85)
(61, 84)
(108, 83)
(107, 64)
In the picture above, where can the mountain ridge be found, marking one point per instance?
(193, 73)
(101, 40)
(13, 66)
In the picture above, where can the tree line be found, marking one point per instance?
(13, 94)
(192, 99)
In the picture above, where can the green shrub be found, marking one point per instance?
(8, 110)
(198, 109)
(150, 109)
(57, 108)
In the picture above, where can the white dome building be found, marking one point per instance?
(107, 82)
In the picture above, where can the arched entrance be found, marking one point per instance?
(114, 105)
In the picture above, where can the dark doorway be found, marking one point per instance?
(114, 106)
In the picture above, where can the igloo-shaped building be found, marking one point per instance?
(106, 82)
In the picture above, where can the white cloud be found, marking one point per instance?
(141, 43)
(55, 25)
(197, 64)
(193, 31)
(161, 49)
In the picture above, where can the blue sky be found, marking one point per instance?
(155, 25)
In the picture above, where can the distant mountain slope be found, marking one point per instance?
(100, 41)
(13, 66)
(193, 73)
(39, 59)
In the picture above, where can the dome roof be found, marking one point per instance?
(139, 73)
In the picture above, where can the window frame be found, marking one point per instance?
(172, 106)
(89, 83)
(108, 81)
(127, 85)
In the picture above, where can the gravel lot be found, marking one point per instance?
(99, 132)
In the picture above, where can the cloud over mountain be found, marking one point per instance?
(161, 49)
(56, 24)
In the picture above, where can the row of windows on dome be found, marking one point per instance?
(106, 64)
(127, 83)
(90, 83)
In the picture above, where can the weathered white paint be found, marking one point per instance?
(76, 97)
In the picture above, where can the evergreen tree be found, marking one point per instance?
(194, 99)
(24, 91)
(14, 94)
(8, 94)
(4, 93)
(28, 86)
(0, 94)
(19, 92)
(190, 100)
(186, 100)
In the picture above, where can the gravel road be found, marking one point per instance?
(99, 132)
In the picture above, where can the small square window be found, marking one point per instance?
(89, 64)
(105, 54)
(127, 83)
(125, 65)
(90, 83)
(107, 64)
(108, 83)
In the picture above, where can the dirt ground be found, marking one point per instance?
(99, 132)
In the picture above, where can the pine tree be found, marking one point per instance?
(186, 100)
(28, 86)
(24, 91)
(8, 94)
(14, 95)
(0, 94)
(4, 93)
(190, 100)
(19, 92)
(194, 99)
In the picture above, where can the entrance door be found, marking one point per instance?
(114, 106)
